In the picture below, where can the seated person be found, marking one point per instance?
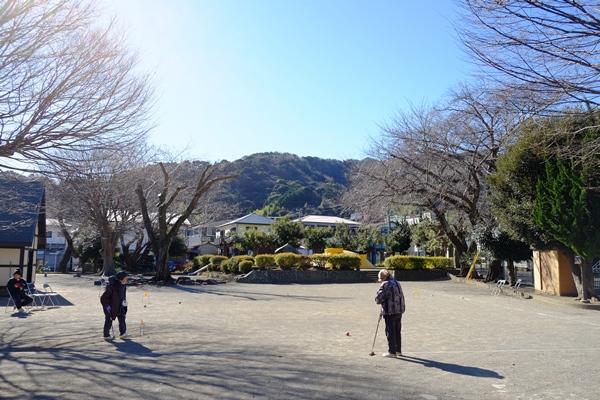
(16, 287)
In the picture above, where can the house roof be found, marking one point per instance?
(326, 220)
(21, 210)
(250, 219)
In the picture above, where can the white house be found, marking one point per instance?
(324, 221)
(250, 222)
(56, 244)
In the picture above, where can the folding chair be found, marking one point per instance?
(14, 304)
(518, 288)
(49, 293)
(32, 292)
(498, 288)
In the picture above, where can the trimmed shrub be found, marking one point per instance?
(319, 261)
(217, 260)
(415, 262)
(344, 262)
(245, 266)
(201, 261)
(232, 265)
(288, 260)
(265, 261)
(216, 263)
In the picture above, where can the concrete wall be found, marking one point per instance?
(552, 273)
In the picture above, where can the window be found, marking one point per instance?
(48, 234)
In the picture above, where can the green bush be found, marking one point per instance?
(232, 265)
(415, 262)
(217, 260)
(265, 261)
(245, 266)
(201, 261)
(319, 261)
(288, 260)
(344, 262)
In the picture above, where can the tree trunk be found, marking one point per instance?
(494, 271)
(512, 272)
(108, 255)
(162, 264)
(64, 261)
(587, 280)
(576, 274)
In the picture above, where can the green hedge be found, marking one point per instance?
(344, 262)
(201, 261)
(288, 261)
(217, 260)
(245, 266)
(415, 262)
(319, 260)
(265, 261)
(231, 266)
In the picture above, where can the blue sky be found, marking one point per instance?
(311, 77)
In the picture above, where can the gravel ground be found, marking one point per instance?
(238, 341)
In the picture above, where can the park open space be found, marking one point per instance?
(242, 341)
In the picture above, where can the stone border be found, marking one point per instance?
(327, 276)
(304, 277)
(420, 274)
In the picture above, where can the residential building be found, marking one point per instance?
(22, 227)
(56, 245)
(325, 221)
(250, 222)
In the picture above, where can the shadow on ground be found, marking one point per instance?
(212, 290)
(454, 368)
(72, 370)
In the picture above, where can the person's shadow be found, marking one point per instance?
(21, 315)
(130, 347)
(454, 368)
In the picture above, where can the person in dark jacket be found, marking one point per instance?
(391, 298)
(114, 304)
(16, 287)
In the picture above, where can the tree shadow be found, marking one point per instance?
(454, 368)
(251, 295)
(207, 368)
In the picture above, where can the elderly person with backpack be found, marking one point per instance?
(391, 298)
(114, 304)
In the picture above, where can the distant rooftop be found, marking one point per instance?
(326, 220)
(250, 219)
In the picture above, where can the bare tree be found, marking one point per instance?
(67, 85)
(100, 191)
(549, 48)
(438, 158)
(547, 45)
(135, 245)
(176, 201)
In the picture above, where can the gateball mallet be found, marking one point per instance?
(372, 353)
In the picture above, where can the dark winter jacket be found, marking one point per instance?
(16, 288)
(113, 297)
(390, 297)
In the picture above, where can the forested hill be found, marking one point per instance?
(281, 183)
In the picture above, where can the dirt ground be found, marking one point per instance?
(242, 341)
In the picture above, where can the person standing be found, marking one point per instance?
(16, 287)
(391, 298)
(114, 304)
